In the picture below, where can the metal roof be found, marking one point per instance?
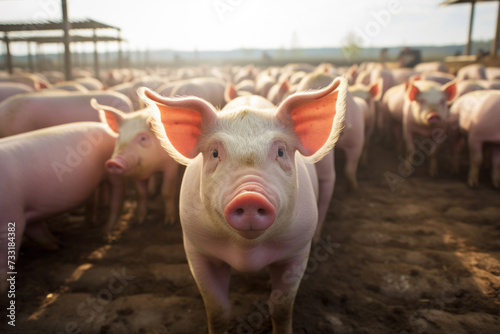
(53, 25)
(58, 39)
(456, 2)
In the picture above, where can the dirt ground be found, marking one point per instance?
(418, 255)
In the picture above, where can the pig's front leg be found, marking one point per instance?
(91, 207)
(476, 159)
(325, 168)
(169, 192)
(118, 185)
(38, 232)
(285, 278)
(212, 277)
(495, 168)
(433, 163)
(141, 210)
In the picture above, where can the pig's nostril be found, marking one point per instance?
(261, 211)
(240, 211)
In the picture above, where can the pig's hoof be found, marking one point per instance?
(169, 221)
(473, 183)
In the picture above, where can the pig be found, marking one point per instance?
(352, 138)
(210, 89)
(249, 192)
(278, 92)
(8, 89)
(138, 154)
(467, 86)
(33, 111)
(433, 66)
(370, 94)
(34, 81)
(90, 83)
(492, 73)
(264, 82)
(70, 86)
(476, 116)
(325, 168)
(439, 77)
(51, 171)
(425, 113)
(472, 72)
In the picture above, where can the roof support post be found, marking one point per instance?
(66, 41)
(494, 44)
(8, 56)
(96, 56)
(471, 23)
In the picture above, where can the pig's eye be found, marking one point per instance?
(281, 152)
(215, 153)
(143, 138)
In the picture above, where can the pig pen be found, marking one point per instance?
(406, 254)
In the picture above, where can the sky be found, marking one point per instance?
(273, 24)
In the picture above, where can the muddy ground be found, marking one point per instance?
(422, 256)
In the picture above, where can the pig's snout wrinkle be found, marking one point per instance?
(250, 213)
(115, 166)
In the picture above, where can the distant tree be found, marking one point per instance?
(350, 47)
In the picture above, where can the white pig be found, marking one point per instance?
(249, 193)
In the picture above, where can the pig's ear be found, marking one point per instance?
(182, 122)
(108, 115)
(317, 118)
(450, 89)
(284, 87)
(412, 91)
(376, 89)
(230, 92)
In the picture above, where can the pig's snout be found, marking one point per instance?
(250, 213)
(115, 166)
(433, 118)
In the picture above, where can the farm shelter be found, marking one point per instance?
(33, 33)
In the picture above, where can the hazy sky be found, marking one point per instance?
(233, 24)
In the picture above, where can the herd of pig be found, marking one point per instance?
(257, 143)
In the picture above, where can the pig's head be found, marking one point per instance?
(429, 101)
(136, 144)
(369, 93)
(248, 180)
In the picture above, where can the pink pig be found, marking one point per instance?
(476, 115)
(48, 172)
(425, 114)
(138, 154)
(33, 111)
(249, 193)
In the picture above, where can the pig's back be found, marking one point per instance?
(29, 112)
(485, 122)
(56, 168)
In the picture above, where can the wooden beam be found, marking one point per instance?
(66, 41)
(471, 23)
(8, 56)
(96, 56)
(494, 43)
